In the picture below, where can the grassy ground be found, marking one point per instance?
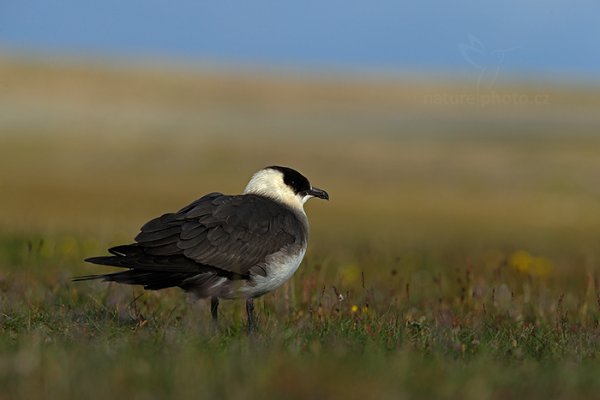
(457, 258)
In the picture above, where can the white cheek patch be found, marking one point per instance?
(269, 182)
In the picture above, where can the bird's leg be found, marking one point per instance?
(214, 309)
(250, 312)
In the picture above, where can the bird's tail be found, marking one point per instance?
(152, 272)
(155, 272)
(150, 280)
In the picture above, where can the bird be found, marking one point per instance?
(222, 246)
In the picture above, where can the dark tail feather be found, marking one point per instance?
(86, 278)
(150, 280)
(157, 272)
(115, 261)
(124, 256)
(142, 269)
(133, 257)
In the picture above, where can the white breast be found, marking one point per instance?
(280, 267)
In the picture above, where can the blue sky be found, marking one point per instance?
(529, 37)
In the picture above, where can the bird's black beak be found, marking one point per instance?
(316, 192)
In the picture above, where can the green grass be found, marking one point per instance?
(434, 326)
(458, 256)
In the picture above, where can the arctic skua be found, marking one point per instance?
(222, 246)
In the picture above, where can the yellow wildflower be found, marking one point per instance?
(522, 261)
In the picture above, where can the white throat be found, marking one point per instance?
(269, 183)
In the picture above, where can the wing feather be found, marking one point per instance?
(185, 244)
(170, 230)
(190, 230)
(222, 234)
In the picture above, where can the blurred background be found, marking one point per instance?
(465, 126)
(460, 145)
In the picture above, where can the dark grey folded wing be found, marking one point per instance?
(231, 233)
(216, 235)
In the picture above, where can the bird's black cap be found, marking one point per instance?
(299, 183)
(293, 178)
